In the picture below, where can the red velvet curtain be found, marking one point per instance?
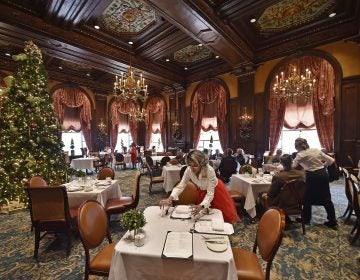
(67, 98)
(210, 102)
(117, 110)
(322, 101)
(155, 114)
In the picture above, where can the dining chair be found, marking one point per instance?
(268, 239)
(164, 160)
(106, 172)
(153, 179)
(37, 181)
(291, 199)
(50, 213)
(349, 195)
(188, 196)
(119, 160)
(356, 204)
(120, 205)
(93, 228)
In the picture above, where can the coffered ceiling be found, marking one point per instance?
(172, 42)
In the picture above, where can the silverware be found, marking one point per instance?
(216, 241)
(213, 237)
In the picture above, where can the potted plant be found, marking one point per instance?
(133, 220)
(72, 147)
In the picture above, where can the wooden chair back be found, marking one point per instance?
(93, 228)
(37, 181)
(188, 196)
(174, 161)
(269, 235)
(292, 197)
(106, 172)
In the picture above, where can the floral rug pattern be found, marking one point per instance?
(321, 254)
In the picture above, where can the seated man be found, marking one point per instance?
(217, 155)
(227, 166)
(279, 179)
(276, 158)
(240, 156)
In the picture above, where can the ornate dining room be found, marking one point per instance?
(187, 139)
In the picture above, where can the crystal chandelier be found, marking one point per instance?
(245, 121)
(295, 86)
(138, 115)
(126, 87)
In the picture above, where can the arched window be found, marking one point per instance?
(123, 129)
(296, 117)
(209, 114)
(73, 109)
(155, 123)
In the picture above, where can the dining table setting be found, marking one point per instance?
(84, 189)
(177, 245)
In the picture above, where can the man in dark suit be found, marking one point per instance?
(227, 166)
(279, 179)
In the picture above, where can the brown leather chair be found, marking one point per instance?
(174, 161)
(106, 172)
(120, 205)
(93, 228)
(268, 239)
(188, 195)
(356, 204)
(50, 213)
(37, 181)
(349, 195)
(119, 160)
(164, 161)
(291, 199)
(153, 179)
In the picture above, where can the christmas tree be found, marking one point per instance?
(30, 135)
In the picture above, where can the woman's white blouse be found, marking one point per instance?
(206, 181)
(312, 159)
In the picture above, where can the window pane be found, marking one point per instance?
(204, 142)
(288, 136)
(156, 141)
(126, 141)
(79, 141)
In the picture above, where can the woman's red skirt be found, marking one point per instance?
(222, 201)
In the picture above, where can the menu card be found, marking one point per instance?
(178, 245)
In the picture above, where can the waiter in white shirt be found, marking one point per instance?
(317, 192)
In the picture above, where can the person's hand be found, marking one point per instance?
(166, 202)
(195, 210)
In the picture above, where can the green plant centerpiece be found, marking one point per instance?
(247, 169)
(133, 220)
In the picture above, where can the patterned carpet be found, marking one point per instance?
(321, 254)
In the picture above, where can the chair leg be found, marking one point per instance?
(349, 214)
(68, 242)
(37, 242)
(150, 187)
(354, 228)
(302, 222)
(356, 236)
(347, 209)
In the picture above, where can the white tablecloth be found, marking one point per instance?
(132, 263)
(171, 174)
(99, 193)
(158, 158)
(272, 167)
(83, 163)
(250, 187)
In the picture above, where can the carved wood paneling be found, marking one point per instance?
(350, 120)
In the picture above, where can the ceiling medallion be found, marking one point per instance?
(192, 53)
(290, 13)
(128, 17)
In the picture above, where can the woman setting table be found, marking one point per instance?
(211, 191)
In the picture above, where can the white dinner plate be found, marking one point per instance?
(217, 247)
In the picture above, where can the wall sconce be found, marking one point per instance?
(245, 122)
(102, 126)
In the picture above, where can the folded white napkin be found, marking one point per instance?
(182, 209)
(217, 224)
